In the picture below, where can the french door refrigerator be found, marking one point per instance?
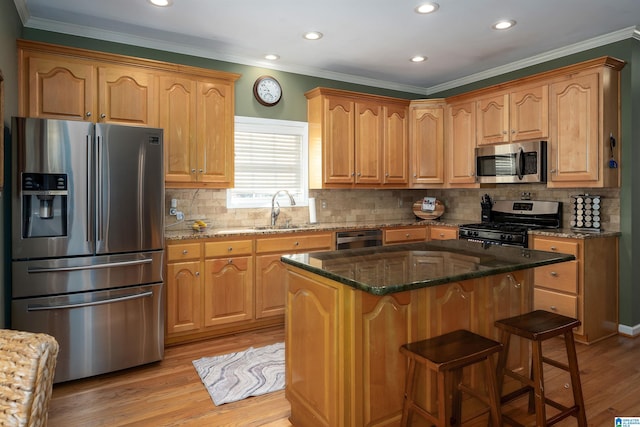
(87, 242)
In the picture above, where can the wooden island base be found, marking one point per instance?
(343, 364)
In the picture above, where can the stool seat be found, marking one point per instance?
(538, 326)
(447, 355)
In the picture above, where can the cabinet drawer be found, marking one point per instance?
(295, 243)
(183, 251)
(228, 248)
(561, 277)
(443, 233)
(566, 305)
(405, 235)
(561, 246)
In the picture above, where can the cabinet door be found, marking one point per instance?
(529, 113)
(396, 145)
(128, 96)
(461, 144)
(228, 290)
(271, 276)
(60, 89)
(178, 119)
(183, 297)
(215, 159)
(574, 130)
(369, 135)
(339, 145)
(493, 119)
(427, 140)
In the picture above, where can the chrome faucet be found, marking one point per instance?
(275, 210)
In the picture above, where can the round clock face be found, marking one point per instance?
(267, 90)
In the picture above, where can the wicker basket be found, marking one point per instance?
(27, 367)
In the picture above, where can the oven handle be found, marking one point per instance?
(89, 304)
(520, 163)
(88, 267)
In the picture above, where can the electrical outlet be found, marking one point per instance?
(324, 204)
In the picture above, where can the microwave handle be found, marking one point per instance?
(520, 163)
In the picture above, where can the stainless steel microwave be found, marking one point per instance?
(512, 163)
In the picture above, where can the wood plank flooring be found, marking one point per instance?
(170, 393)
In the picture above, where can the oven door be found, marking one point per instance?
(512, 163)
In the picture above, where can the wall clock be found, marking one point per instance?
(267, 91)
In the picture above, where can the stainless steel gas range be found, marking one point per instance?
(509, 221)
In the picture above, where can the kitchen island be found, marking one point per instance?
(348, 312)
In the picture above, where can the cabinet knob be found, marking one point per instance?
(230, 261)
(296, 244)
(386, 174)
(193, 171)
(504, 132)
(552, 171)
(359, 174)
(407, 235)
(88, 114)
(200, 170)
(197, 273)
(230, 248)
(553, 308)
(513, 131)
(554, 274)
(184, 252)
(415, 175)
(441, 234)
(103, 115)
(553, 248)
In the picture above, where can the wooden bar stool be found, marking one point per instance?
(538, 326)
(447, 355)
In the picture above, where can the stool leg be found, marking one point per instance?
(538, 383)
(456, 400)
(505, 338)
(572, 358)
(494, 396)
(408, 393)
(444, 414)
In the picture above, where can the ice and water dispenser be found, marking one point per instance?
(44, 204)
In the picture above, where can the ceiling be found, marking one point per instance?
(365, 41)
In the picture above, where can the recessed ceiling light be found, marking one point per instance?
(272, 56)
(418, 58)
(427, 8)
(505, 24)
(312, 35)
(161, 3)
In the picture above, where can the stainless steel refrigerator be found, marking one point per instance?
(87, 242)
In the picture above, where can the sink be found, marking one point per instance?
(264, 228)
(281, 227)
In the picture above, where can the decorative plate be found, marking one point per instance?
(436, 213)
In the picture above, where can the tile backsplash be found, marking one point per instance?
(461, 205)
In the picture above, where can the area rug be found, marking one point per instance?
(236, 376)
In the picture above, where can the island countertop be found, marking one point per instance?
(421, 264)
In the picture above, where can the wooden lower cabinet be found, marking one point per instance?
(271, 272)
(586, 289)
(442, 233)
(343, 365)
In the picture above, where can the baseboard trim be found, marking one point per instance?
(630, 331)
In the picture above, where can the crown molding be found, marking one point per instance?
(625, 33)
(151, 43)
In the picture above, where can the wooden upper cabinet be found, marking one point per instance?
(396, 145)
(356, 140)
(215, 138)
(426, 135)
(58, 89)
(368, 141)
(194, 106)
(519, 115)
(460, 144)
(127, 95)
(339, 146)
(178, 119)
(584, 111)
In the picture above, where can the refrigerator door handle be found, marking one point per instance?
(88, 267)
(98, 193)
(88, 190)
(39, 307)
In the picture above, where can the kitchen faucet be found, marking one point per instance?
(275, 211)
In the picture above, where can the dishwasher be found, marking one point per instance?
(358, 239)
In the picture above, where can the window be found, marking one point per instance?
(270, 155)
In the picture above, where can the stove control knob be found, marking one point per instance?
(475, 234)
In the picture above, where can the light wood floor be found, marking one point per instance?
(169, 393)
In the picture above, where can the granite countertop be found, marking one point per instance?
(185, 232)
(450, 261)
